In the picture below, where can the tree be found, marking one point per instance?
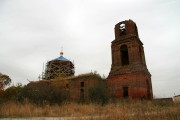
(12, 93)
(4, 80)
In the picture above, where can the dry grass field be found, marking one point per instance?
(121, 110)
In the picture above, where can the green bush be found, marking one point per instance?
(43, 91)
(98, 92)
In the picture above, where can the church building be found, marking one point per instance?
(128, 77)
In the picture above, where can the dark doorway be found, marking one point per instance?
(125, 92)
(81, 93)
(124, 55)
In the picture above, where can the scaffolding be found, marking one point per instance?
(59, 67)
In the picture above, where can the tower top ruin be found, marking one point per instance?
(125, 29)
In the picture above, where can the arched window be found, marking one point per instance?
(148, 89)
(124, 55)
(140, 53)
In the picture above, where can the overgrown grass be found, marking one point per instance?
(124, 109)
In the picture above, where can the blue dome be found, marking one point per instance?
(61, 58)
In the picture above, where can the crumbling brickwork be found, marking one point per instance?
(129, 76)
(79, 85)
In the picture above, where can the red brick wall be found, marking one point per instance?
(75, 86)
(136, 83)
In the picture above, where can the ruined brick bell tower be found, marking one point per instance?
(129, 76)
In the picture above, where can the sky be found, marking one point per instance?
(33, 32)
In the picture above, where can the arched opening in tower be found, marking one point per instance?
(148, 89)
(124, 55)
(122, 28)
(140, 53)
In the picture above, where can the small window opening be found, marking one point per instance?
(125, 92)
(82, 84)
(124, 55)
(67, 85)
